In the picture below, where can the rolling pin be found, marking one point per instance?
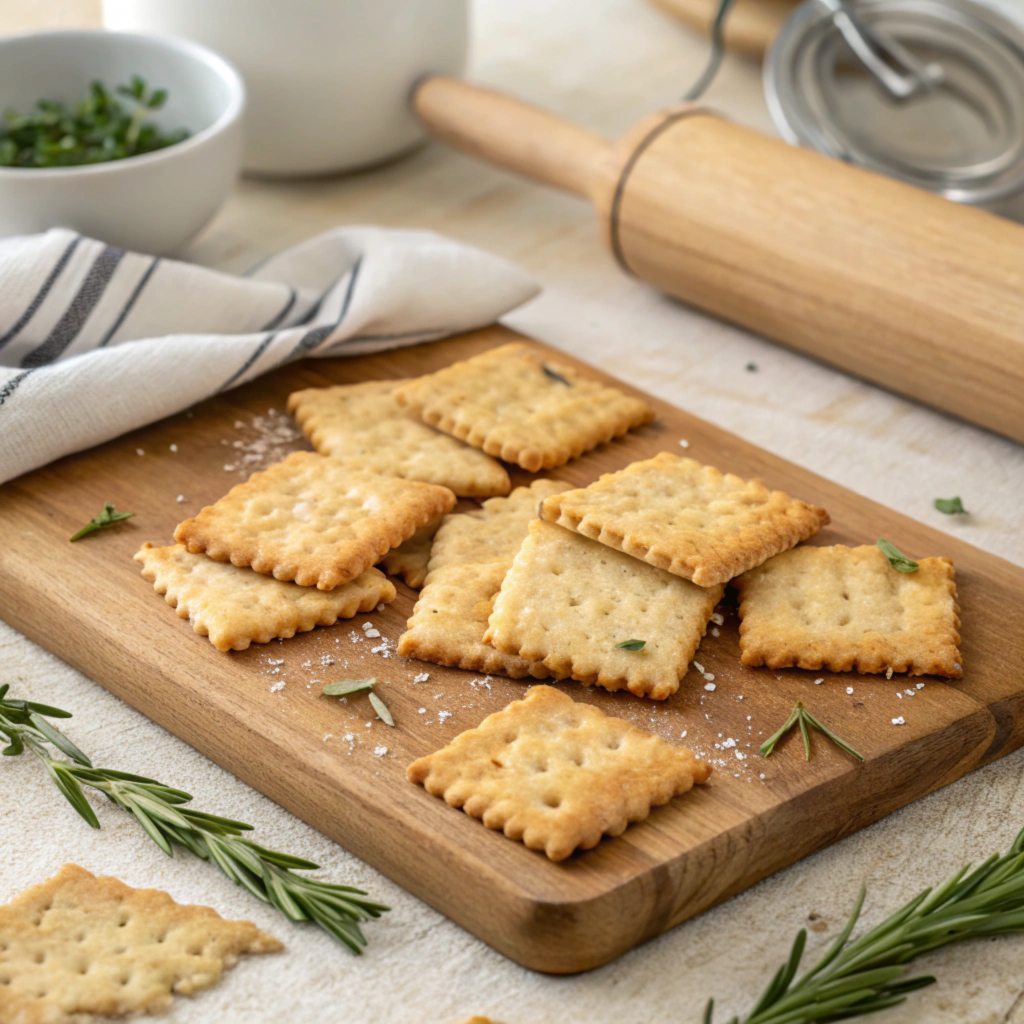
(885, 281)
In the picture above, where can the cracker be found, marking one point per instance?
(235, 607)
(504, 402)
(847, 609)
(471, 554)
(567, 601)
(78, 944)
(557, 774)
(411, 558)
(687, 518)
(313, 520)
(364, 427)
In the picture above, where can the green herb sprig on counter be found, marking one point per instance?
(802, 717)
(950, 506)
(631, 645)
(159, 809)
(865, 976)
(897, 559)
(98, 129)
(106, 518)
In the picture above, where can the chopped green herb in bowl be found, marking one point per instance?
(100, 128)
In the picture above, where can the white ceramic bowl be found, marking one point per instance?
(154, 202)
(328, 80)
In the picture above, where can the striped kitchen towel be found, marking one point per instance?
(96, 341)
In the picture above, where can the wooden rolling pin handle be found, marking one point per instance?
(510, 133)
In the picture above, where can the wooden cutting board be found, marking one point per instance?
(319, 758)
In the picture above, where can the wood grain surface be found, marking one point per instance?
(318, 757)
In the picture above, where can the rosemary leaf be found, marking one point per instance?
(555, 376)
(802, 717)
(382, 709)
(346, 686)
(897, 559)
(950, 506)
(107, 517)
(631, 645)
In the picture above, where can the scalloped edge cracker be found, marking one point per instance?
(556, 773)
(847, 609)
(689, 519)
(504, 402)
(411, 558)
(311, 519)
(235, 606)
(568, 600)
(472, 552)
(363, 426)
(80, 944)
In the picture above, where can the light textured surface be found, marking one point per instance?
(568, 602)
(847, 608)
(556, 774)
(693, 520)
(362, 426)
(420, 968)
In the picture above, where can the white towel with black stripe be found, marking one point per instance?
(96, 341)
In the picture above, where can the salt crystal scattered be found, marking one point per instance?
(748, 718)
(380, 751)
(898, 721)
(849, 689)
(682, 735)
(174, 447)
(900, 695)
(348, 737)
(910, 693)
(761, 775)
(239, 424)
(699, 667)
(709, 676)
(369, 725)
(740, 756)
(229, 467)
(275, 661)
(423, 711)
(277, 687)
(366, 625)
(139, 451)
(442, 715)
(421, 678)
(372, 634)
(718, 619)
(180, 497)
(817, 682)
(919, 686)
(380, 607)
(327, 736)
(739, 696)
(730, 742)
(684, 444)
(715, 631)
(709, 686)
(888, 672)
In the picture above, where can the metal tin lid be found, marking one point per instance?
(961, 133)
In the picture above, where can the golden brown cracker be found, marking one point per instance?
(363, 426)
(311, 519)
(411, 558)
(517, 406)
(235, 606)
(472, 552)
(847, 609)
(568, 601)
(557, 774)
(78, 944)
(690, 519)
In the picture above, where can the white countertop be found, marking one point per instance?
(605, 63)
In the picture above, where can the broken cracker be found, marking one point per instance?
(78, 944)
(313, 520)
(568, 601)
(524, 409)
(847, 609)
(471, 554)
(557, 774)
(411, 558)
(235, 606)
(690, 519)
(363, 426)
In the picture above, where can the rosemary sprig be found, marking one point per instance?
(865, 976)
(802, 717)
(106, 518)
(159, 809)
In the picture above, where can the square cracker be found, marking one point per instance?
(848, 609)
(78, 944)
(364, 427)
(567, 601)
(235, 606)
(557, 774)
(471, 554)
(313, 520)
(411, 558)
(687, 518)
(504, 402)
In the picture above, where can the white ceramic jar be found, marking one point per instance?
(328, 81)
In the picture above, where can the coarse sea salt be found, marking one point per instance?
(380, 751)
(421, 678)
(715, 631)
(684, 444)
(888, 672)
(818, 682)
(423, 711)
(174, 447)
(849, 689)
(372, 634)
(442, 715)
(709, 686)
(277, 687)
(899, 721)
(180, 497)
(718, 619)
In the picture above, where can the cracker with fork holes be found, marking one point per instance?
(472, 552)
(522, 408)
(556, 773)
(235, 606)
(690, 519)
(80, 944)
(311, 519)
(847, 609)
(363, 426)
(568, 601)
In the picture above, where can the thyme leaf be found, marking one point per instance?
(344, 687)
(106, 518)
(631, 645)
